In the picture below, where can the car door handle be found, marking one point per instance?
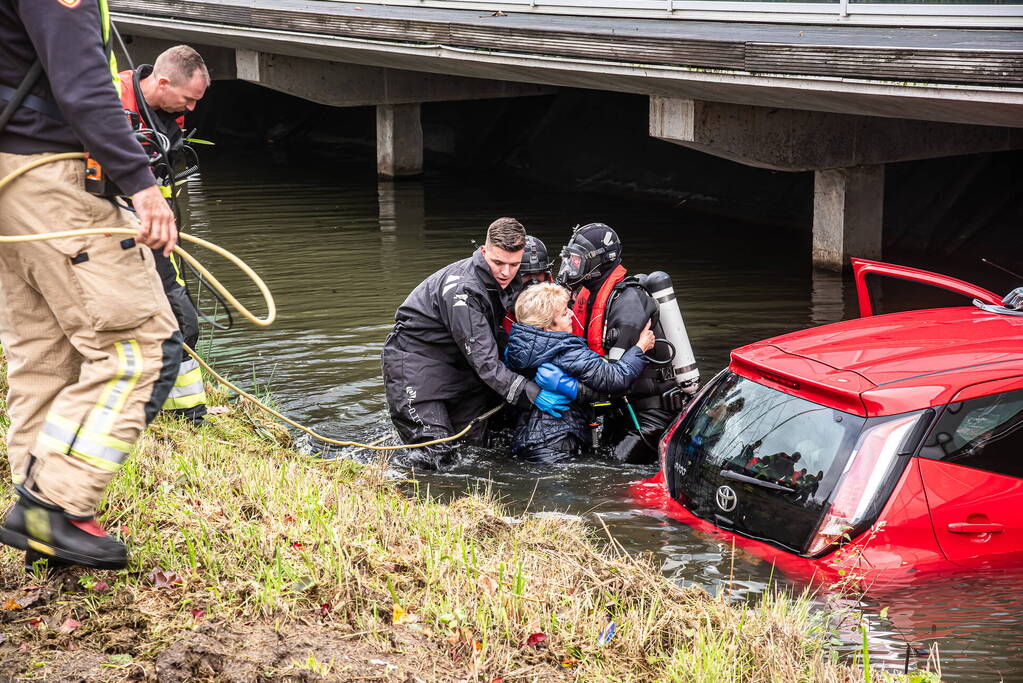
(975, 527)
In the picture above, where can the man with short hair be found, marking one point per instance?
(442, 363)
(157, 97)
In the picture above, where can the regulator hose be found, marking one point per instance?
(271, 306)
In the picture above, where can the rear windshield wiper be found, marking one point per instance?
(735, 476)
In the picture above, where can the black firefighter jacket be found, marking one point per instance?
(66, 37)
(448, 332)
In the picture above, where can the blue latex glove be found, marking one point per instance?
(551, 378)
(551, 403)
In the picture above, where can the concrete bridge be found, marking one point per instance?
(841, 96)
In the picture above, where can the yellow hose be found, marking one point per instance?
(215, 284)
(356, 444)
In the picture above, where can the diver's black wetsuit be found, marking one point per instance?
(442, 363)
(628, 310)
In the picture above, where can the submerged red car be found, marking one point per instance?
(897, 436)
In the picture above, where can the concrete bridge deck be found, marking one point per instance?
(967, 76)
(941, 55)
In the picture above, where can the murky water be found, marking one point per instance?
(341, 251)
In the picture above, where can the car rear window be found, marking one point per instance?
(766, 434)
(795, 449)
(984, 433)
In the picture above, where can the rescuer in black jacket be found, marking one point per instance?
(611, 310)
(442, 363)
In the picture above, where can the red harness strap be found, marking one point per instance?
(593, 328)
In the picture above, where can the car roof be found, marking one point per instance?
(890, 363)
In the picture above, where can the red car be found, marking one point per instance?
(897, 438)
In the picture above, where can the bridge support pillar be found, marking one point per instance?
(846, 152)
(847, 215)
(399, 141)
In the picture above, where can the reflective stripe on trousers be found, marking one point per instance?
(91, 441)
(188, 390)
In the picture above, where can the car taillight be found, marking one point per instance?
(662, 447)
(865, 473)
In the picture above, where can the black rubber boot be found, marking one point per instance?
(428, 458)
(35, 526)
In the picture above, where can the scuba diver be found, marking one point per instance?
(534, 268)
(156, 98)
(442, 363)
(611, 309)
(542, 342)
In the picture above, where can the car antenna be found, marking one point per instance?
(1002, 268)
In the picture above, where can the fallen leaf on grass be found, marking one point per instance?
(198, 614)
(69, 625)
(399, 615)
(22, 602)
(488, 585)
(569, 662)
(536, 639)
(288, 519)
(120, 660)
(218, 410)
(165, 579)
(464, 636)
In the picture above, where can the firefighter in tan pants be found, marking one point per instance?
(91, 345)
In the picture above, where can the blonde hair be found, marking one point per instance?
(540, 305)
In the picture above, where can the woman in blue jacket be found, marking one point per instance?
(543, 334)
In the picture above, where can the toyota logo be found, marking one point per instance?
(726, 498)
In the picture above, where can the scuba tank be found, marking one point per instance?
(683, 362)
(674, 374)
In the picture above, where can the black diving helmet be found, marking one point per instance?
(534, 261)
(592, 247)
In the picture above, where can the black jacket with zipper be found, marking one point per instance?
(450, 333)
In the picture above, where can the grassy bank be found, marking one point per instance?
(251, 562)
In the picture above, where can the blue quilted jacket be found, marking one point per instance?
(529, 348)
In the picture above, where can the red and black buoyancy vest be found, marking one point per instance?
(592, 327)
